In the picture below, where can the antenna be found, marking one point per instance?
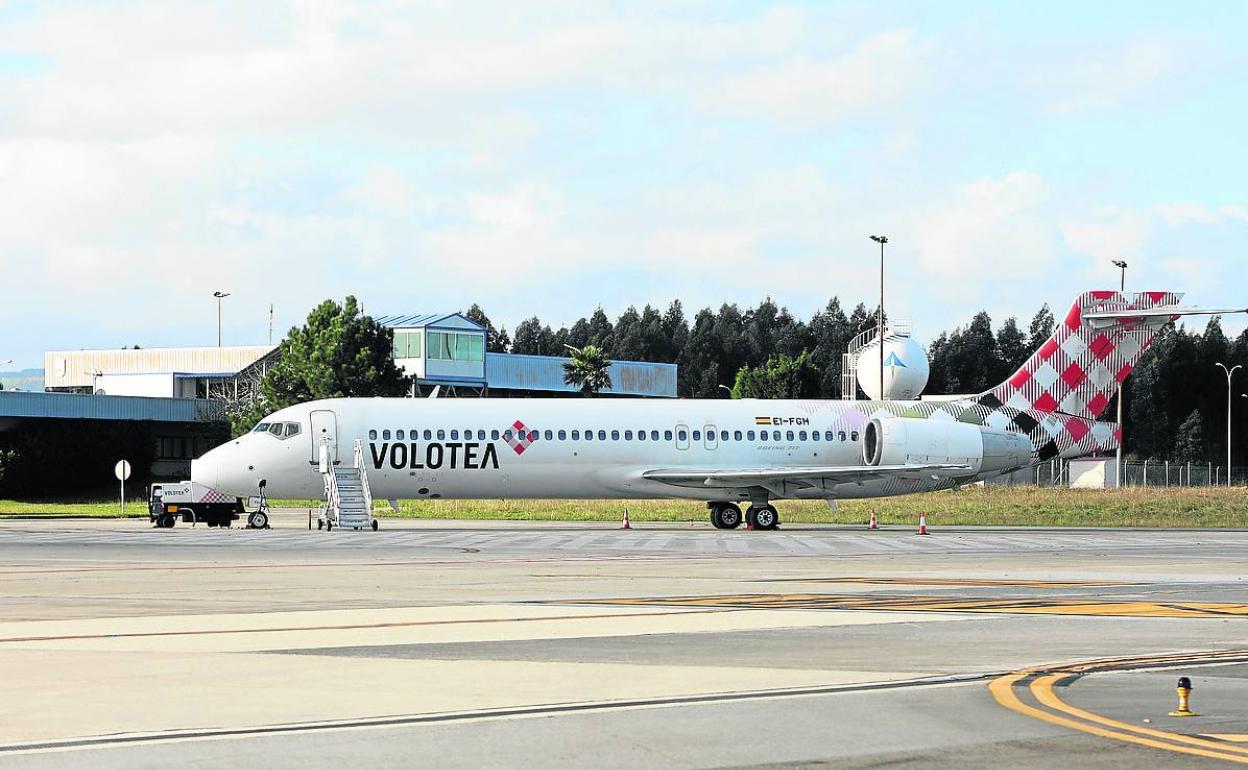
(270, 324)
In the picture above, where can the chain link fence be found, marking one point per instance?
(1151, 474)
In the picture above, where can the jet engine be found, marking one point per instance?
(901, 441)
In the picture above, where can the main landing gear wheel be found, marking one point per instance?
(258, 520)
(763, 517)
(374, 525)
(729, 516)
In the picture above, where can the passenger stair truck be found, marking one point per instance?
(348, 499)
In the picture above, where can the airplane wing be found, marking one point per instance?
(784, 480)
(1102, 319)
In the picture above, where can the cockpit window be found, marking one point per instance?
(292, 429)
(261, 428)
(276, 429)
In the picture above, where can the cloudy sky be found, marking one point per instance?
(551, 157)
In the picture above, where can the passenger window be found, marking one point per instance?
(814, 435)
(576, 435)
(641, 435)
(854, 436)
(723, 435)
(480, 435)
(441, 435)
(507, 435)
(563, 435)
(681, 435)
(550, 435)
(667, 435)
(788, 435)
(532, 435)
(398, 435)
(602, 435)
(494, 435)
(454, 435)
(589, 435)
(841, 435)
(615, 435)
(372, 434)
(385, 435)
(654, 435)
(736, 435)
(802, 435)
(697, 435)
(428, 434)
(628, 435)
(827, 436)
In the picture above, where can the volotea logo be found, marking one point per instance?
(520, 439)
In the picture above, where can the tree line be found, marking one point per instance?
(1176, 399)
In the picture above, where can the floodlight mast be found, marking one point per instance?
(1122, 431)
(881, 239)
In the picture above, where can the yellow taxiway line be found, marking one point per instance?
(1041, 682)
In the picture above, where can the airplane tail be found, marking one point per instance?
(1095, 346)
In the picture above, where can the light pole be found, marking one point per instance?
(728, 389)
(1229, 374)
(881, 239)
(1122, 287)
(220, 295)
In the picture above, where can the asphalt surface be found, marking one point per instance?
(455, 644)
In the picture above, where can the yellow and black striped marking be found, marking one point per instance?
(975, 582)
(1034, 692)
(1009, 606)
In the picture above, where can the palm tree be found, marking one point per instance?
(587, 370)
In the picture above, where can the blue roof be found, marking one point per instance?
(71, 406)
(421, 320)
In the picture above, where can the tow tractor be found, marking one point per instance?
(194, 502)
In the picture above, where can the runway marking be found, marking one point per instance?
(1041, 684)
(922, 581)
(894, 603)
(346, 627)
(182, 736)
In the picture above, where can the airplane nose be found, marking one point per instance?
(207, 470)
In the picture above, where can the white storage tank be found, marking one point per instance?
(906, 367)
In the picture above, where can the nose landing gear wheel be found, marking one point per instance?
(258, 520)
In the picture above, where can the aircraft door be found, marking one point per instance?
(710, 437)
(324, 431)
(682, 436)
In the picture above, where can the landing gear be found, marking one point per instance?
(725, 515)
(763, 517)
(258, 520)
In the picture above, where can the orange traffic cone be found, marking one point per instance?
(922, 523)
(874, 523)
(626, 525)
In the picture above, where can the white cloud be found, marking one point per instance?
(1187, 212)
(807, 90)
(1115, 234)
(988, 226)
(383, 190)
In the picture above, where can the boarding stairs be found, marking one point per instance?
(348, 498)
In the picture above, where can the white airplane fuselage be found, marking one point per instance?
(579, 448)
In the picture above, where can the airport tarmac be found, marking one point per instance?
(511, 644)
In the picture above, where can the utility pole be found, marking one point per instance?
(220, 295)
(1122, 287)
(879, 334)
(270, 324)
(1229, 374)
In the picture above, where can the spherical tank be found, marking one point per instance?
(905, 368)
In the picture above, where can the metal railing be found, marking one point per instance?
(363, 472)
(333, 501)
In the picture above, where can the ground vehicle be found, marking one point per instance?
(192, 502)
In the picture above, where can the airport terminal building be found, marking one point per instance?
(178, 396)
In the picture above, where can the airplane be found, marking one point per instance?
(718, 451)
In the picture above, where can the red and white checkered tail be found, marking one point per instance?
(1078, 369)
